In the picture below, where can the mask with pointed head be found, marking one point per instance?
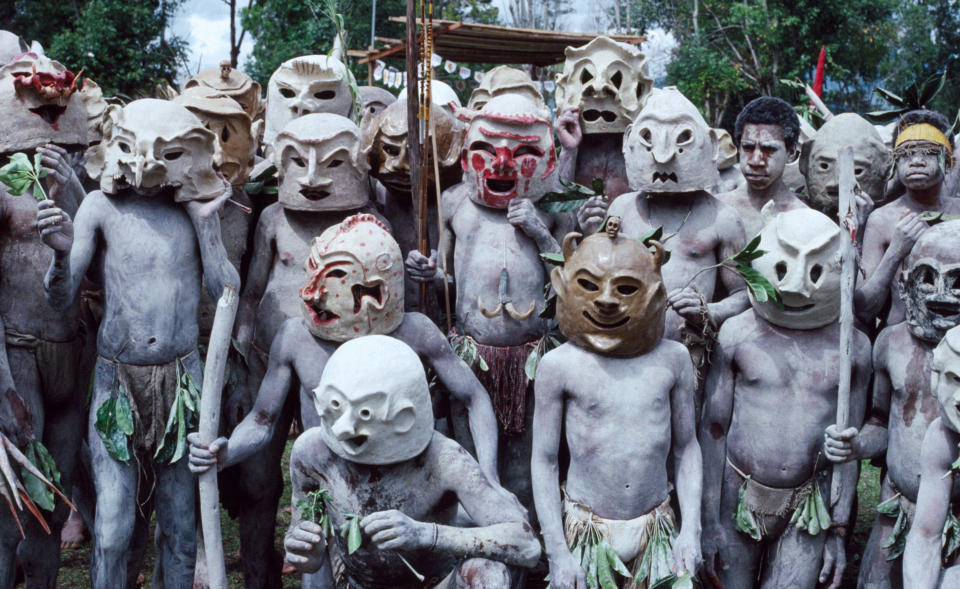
(375, 99)
(305, 85)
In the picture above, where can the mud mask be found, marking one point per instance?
(385, 136)
(305, 85)
(231, 83)
(607, 80)
(930, 282)
(802, 262)
(670, 148)
(321, 164)
(818, 161)
(354, 281)
(373, 402)
(95, 106)
(375, 99)
(40, 103)
(152, 144)
(508, 152)
(504, 79)
(945, 378)
(236, 136)
(610, 295)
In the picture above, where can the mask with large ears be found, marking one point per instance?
(508, 152)
(669, 148)
(321, 164)
(373, 402)
(945, 378)
(231, 83)
(802, 261)
(305, 85)
(930, 282)
(152, 144)
(610, 295)
(354, 281)
(607, 80)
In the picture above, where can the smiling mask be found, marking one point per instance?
(305, 85)
(373, 402)
(930, 282)
(802, 261)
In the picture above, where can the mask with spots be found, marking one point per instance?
(930, 282)
(305, 85)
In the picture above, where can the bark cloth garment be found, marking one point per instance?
(772, 507)
(628, 538)
(58, 363)
(151, 390)
(902, 510)
(506, 382)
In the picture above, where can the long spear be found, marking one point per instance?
(414, 151)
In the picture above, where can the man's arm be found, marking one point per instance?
(688, 466)
(258, 273)
(921, 558)
(306, 547)
(570, 135)
(880, 263)
(73, 246)
(63, 186)
(732, 240)
(218, 272)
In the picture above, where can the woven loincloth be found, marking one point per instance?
(772, 507)
(506, 383)
(58, 363)
(628, 538)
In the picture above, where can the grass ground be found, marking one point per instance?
(75, 563)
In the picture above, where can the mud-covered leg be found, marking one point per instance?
(739, 554)
(876, 572)
(176, 531)
(794, 561)
(513, 460)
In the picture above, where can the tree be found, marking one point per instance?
(537, 14)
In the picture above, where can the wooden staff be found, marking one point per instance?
(426, 53)
(213, 375)
(848, 273)
(414, 153)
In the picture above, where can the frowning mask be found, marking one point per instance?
(373, 402)
(152, 144)
(945, 378)
(669, 148)
(504, 79)
(321, 164)
(354, 281)
(305, 85)
(802, 262)
(235, 134)
(508, 152)
(930, 282)
(231, 83)
(607, 80)
(610, 295)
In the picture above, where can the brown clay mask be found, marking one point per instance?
(930, 282)
(373, 402)
(305, 85)
(610, 295)
(375, 99)
(231, 83)
(354, 281)
(235, 133)
(945, 378)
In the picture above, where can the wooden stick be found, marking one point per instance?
(822, 108)
(414, 152)
(213, 376)
(848, 273)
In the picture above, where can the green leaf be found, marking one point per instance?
(931, 87)
(124, 414)
(560, 202)
(934, 217)
(40, 492)
(354, 539)
(578, 188)
(604, 572)
(890, 507)
(613, 559)
(553, 258)
(597, 185)
(530, 366)
(110, 429)
(891, 97)
(749, 253)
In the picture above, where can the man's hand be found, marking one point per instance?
(55, 226)
(304, 547)
(687, 303)
(592, 214)
(568, 128)
(841, 446)
(566, 573)
(393, 530)
(53, 160)
(906, 233)
(834, 561)
(522, 214)
(686, 551)
(864, 206)
(203, 457)
(420, 268)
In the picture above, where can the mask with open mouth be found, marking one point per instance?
(354, 281)
(305, 85)
(231, 83)
(149, 145)
(40, 103)
(321, 164)
(373, 402)
(802, 261)
(610, 295)
(669, 148)
(930, 282)
(607, 80)
(508, 152)
(235, 134)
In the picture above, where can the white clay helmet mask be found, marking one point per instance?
(945, 378)
(305, 85)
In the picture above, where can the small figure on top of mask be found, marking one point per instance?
(903, 405)
(229, 82)
(922, 156)
(601, 89)
(621, 395)
(766, 131)
(771, 392)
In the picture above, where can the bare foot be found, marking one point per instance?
(74, 533)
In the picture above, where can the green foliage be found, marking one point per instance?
(812, 516)
(350, 530)
(570, 199)
(656, 566)
(549, 341)
(475, 11)
(465, 347)
(743, 518)
(184, 418)
(40, 492)
(897, 540)
(597, 558)
(20, 174)
(918, 95)
(115, 425)
(705, 76)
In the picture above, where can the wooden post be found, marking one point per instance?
(414, 147)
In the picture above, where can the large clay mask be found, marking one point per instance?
(610, 295)
(236, 141)
(354, 281)
(231, 83)
(373, 402)
(802, 262)
(669, 148)
(504, 79)
(321, 164)
(375, 99)
(153, 144)
(385, 136)
(40, 103)
(305, 85)
(607, 80)
(945, 378)
(818, 161)
(508, 152)
(930, 282)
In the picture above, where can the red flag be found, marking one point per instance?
(818, 77)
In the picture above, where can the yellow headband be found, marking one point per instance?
(923, 132)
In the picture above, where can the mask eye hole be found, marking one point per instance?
(287, 93)
(224, 135)
(172, 155)
(781, 269)
(335, 164)
(616, 79)
(858, 171)
(527, 150)
(391, 150)
(325, 95)
(926, 277)
(815, 273)
(298, 161)
(336, 274)
(366, 414)
(684, 137)
(587, 285)
(824, 166)
(646, 136)
(627, 289)
(123, 147)
(334, 404)
(483, 146)
(585, 77)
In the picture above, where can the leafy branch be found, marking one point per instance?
(916, 96)
(739, 263)
(572, 198)
(20, 174)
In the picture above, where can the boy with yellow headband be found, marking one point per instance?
(922, 157)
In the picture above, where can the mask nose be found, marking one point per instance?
(663, 152)
(345, 426)
(313, 177)
(795, 282)
(606, 303)
(144, 163)
(504, 160)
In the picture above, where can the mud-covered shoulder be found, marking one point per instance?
(623, 203)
